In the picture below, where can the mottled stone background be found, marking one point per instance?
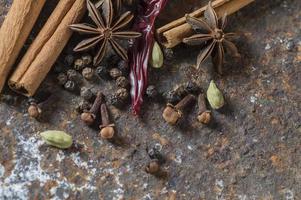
(251, 151)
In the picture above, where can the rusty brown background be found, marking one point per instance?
(251, 151)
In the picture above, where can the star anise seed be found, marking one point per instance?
(210, 32)
(106, 32)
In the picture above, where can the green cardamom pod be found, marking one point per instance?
(215, 96)
(156, 59)
(58, 139)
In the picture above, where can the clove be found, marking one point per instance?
(106, 128)
(204, 115)
(172, 114)
(89, 116)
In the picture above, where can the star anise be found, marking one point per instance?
(210, 32)
(106, 32)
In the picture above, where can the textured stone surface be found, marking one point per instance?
(251, 151)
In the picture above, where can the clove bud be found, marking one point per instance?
(204, 115)
(172, 114)
(215, 96)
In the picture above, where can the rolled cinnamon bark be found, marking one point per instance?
(47, 47)
(173, 33)
(14, 32)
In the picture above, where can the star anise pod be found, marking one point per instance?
(210, 32)
(106, 32)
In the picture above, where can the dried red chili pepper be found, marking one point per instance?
(148, 10)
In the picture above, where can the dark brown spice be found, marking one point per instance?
(78, 64)
(115, 73)
(211, 33)
(172, 114)
(106, 128)
(34, 110)
(153, 167)
(89, 116)
(122, 82)
(122, 94)
(151, 92)
(70, 86)
(106, 31)
(88, 73)
(73, 75)
(204, 115)
(87, 60)
(62, 78)
(69, 59)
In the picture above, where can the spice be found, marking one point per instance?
(140, 50)
(57, 139)
(151, 92)
(86, 93)
(122, 82)
(87, 59)
(215, 96)
(102, 72)
(106, 31)
(46, 47)
(172, 114)
(204, 115)
(78, 64)
(70, 86)
(74, 76)
(156, 58)
(122, 94)
(106, 128)
(213, 37)
(83, 106)
(191, 87)
(88, 73)
(123, 67)
(171, 96)
(153, 167)
(34, 110)
(89, 116)
(69, 60)
(14, 32)
(115, 100)
(62, 78)
(115, 73)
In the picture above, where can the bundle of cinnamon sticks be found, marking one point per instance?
(45, 49)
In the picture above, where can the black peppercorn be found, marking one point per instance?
(115, 101)
(122, 94)
(73, 76)
(87, 59)
(168, 54)
(122, 82)
(151, 92)
(115, 73)
(70, 86)
(83, 106)
(88, 73)
(58, 67)
(123, 67)
(180, 90)
(102, 72)
(86, 93)
(69, 59)
(171, 97)
(191, 87)
(78, 64)
(62, 78)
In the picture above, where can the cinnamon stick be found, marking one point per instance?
(173, 33)
(47, 47)
(14, 32)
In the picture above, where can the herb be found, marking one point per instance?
(211, 33)
(106, 31)
(141, 49)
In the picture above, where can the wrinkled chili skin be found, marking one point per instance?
(148, 10)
